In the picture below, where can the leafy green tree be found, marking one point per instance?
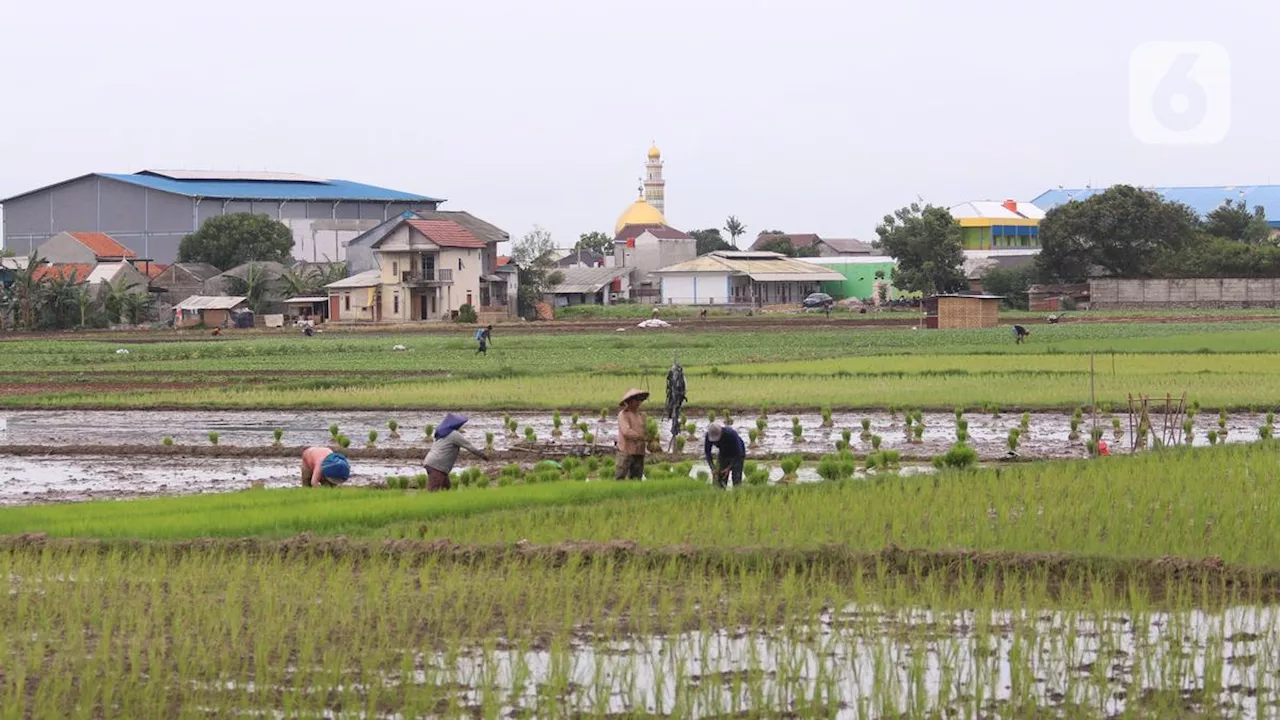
(310, 279)
(113, 300)
(925, 244)
(1233, 221)
(537, 273)
(778, 242)
(710, 240)
(255, 286)
(735, 228)
(1124, 231)
(57, 301)
(596, 242)
(1012, 283)
(137, 307)
(227, 241)
(26, 291)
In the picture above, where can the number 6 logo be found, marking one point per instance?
(1179, 93)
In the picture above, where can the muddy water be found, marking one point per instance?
(25, 480)
(1047, 437)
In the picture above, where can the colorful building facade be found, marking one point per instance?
(991, 225)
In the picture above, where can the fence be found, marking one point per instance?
(1210, 293)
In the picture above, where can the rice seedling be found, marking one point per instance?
(556, 424)
(1014, 439)
(875, 442)
(790, 465)
(1117, 431)
(1271, 417)
(995, 412)
(604, 415)
(167, 441)
(691, 429)
(797, 431)
(826, 417)
(1188, 431)
(344, 442)
(530, 437)
(1212, 437)
(680, 443)
(373, 438)
(429, 432)
(959, 457)
(1222, 419)
(846, 435)
(754, 436)
(728, 417)
(959, 413)
(488, 441)
(420, 481)
(761, 424)
(1026, 422)
(652, 435)
(213, 438)
(333, 431)
(589, 438)
(277, 436)
(711, 416)
(393, 429)
(1265, 432)
(866, 428)
(962, 430)
(1075, 429)
(917, 433)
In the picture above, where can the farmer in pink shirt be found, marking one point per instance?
(322, 466)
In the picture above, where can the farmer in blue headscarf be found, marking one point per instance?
(444, 451)
(322, 466)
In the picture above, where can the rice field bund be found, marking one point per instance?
(932, 524)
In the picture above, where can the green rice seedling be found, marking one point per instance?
(829, 468)
(842, 445)
(711, 416)
(703, 476)
(589, 438)
(1188, 431)
(652, 435)
(571, 463)
(1014, 439)
(579, 475)
(790, 465)
(488, 441)
(583, 427)
(866, 428)
(826, 417)
(1117, 430)
(679, 441)
(691, 428)
(1106, 408)
(875, 442)
(555, 424)
(1222, 419)
(530, 436)
(847, 436)
(754, 436)
(892, 457)
(1026, 422)
(167, 441)
(604, 414)
(728, 417)
(393, 429)
(420, 481)
(483, 481)
(959, 457)
(213, 438)
(333, 431)
(1075, 429)
(373, 438)
(344, 442)
(917, 434)
(797, 432)
(277, 435)
(506, 419)
(764, 411)
(959, 413)
(995, 412)
(429, 432)
(761, 424)
(757, 477)
(1264, 432)
(1212, 437)
(1271, 417)
(962, 430)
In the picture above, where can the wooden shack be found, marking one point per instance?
(959, 312)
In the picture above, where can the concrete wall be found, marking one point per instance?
(152, 223)
(62, 248)
(1109, 293)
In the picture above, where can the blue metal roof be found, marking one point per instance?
(271, 190)
(326, 190)
(1203, 200)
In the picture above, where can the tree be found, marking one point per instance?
(596, 242)
(136, 307)
(255, 286)
(1124, 230)
(925, 244)
(307, 280)
(537, 272)
(735, 229)
(114, 301)
(26, 292)
(1233, 221)
(1012, 283)
(780, 243)
(710, 240)
(227, 241)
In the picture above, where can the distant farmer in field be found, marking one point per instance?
(444, 452)
(1020, 333)
(322, 466)
(631, 438)
(488, 334)
(731, 453)
(483, 339)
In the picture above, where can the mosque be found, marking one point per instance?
(642, 238)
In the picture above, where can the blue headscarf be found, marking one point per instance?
(451, 422)
(335, 468)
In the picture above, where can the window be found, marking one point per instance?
(395, 304)
(346, 301)
(469, 297)
(395, 269)
(459, 263)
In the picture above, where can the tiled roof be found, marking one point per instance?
(152, 270)
(102, 244)
(447, 233)
(504, 260)
(79, 272)
(847, 245)
(631, 232)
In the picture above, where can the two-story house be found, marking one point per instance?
(428, 265)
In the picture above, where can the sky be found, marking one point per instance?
(800, 116)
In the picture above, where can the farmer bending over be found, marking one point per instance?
(322, 466)
(731, 455)
(444, 452)
(1020, 333)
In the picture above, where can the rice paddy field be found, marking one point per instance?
(1143, 584)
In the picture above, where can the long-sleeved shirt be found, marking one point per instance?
(631, 432)
(444, 451)
(730, 445)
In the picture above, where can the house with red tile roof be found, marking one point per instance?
(83, 247)
(427, 266)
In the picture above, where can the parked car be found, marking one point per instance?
(817, 301)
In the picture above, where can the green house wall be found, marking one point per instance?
(859, 280)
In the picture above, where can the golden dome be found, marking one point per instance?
(654, 153)
(639, 213)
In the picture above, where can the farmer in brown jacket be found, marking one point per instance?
(631, 437)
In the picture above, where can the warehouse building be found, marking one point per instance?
(151, 211)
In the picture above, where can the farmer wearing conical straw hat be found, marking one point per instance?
(631, 437)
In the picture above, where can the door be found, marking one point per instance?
(333, 307)
(428, 266)
(422, 308)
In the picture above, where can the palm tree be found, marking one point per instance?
(735, 229)
(118, 293)
(26, 292)
(254, 286)
(298, 282)
(136, 306)
(84, 301)
(58, 299)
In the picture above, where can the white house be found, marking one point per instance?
(742, 278)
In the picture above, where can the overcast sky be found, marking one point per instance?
(803, 116)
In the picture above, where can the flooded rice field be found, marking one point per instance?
(1047, 434)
